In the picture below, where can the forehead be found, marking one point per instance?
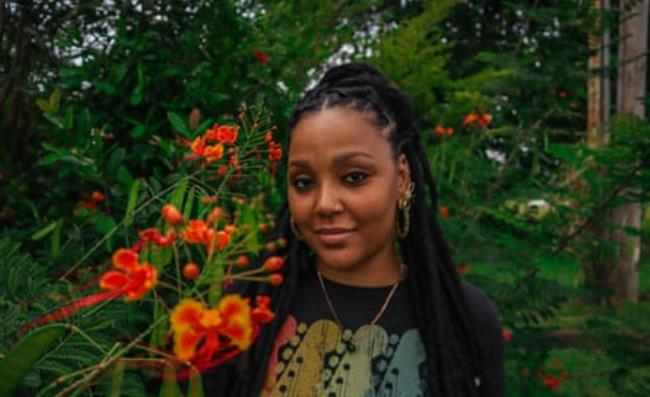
(334, 131)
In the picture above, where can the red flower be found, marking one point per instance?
(260, 56)
(262, 314)
(506, 334)
(551, 382)
(154, 236)
(275, 151)
(222, 133)
(444, 211)
(96, 197)
(463, 270)
(133, 279)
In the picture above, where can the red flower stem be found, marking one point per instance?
(69, 309)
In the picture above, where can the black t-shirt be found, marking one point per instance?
(311, 358)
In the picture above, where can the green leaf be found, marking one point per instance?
(170, 385)
(195, 388)
(55, 100)
(55, 241)
(189, 203)
(44, 231)
(44, 105)
(22, 358)
(132, 202)
(179, 192)
(160, 330)
(179, 124)
(68, 122)
(117, 379)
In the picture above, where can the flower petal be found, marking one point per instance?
(113, 280)
(125, 259)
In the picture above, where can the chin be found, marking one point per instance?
(341, 260)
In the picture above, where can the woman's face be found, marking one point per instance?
(344, 184)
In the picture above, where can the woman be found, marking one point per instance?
(371, 303)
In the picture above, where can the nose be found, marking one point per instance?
(328, 202)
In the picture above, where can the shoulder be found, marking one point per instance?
(482, 309)
(487, 323)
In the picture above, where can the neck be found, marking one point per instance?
(373, 274)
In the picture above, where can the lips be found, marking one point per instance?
(332, 236)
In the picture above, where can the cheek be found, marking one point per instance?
(298, 206)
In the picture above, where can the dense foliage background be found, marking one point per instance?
(94, 96)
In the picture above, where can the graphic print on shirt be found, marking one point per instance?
(314, 362)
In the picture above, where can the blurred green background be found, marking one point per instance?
(547, 215)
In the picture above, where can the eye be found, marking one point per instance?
(355, 177)
(302, 183)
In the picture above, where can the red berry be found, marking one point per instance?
(172, 215)
(276, 279)
(274, 263)
(242, 260)
(191, 271)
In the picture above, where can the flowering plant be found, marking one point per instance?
(205, 236)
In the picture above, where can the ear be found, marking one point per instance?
(403, 175)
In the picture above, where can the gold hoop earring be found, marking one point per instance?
(294, 229)
(404, 211)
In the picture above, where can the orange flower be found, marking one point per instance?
(198, 147)
(201, 332)
(470, 119)
(439, 130)
(135, 279)
(192, 323)
(196, 232)
(444, 211)
(480, 119)
(172, 215)
(450, 131)
(237, 323)
(213, 153)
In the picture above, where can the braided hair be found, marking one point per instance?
(441, 312)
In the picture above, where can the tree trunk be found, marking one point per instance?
(631, 88)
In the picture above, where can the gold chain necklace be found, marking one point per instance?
(350, 345)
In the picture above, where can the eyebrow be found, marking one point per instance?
(336, 161)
